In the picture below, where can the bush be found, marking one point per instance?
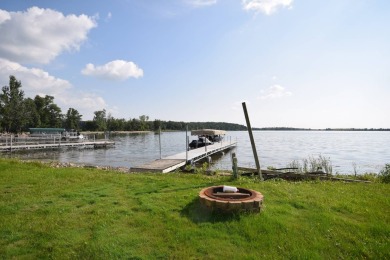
(384, 174)
(312, 164)
(202, 169)
(373, 177)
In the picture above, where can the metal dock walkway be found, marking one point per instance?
(173, 162)
(94, 144)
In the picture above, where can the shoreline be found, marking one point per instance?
(115, 132)
(58, 164)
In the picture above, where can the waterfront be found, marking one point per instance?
(369, 150)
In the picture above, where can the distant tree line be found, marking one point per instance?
(103, 122)
(357, 129)
(281, 129)
(326, 129)
(18, 114)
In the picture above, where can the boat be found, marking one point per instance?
(206, 137)
(59, 133)
(71, 135)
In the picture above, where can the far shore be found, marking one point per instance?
(114, 132)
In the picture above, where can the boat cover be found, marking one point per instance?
(208, 132)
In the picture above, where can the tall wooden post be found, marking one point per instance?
(159, 139)
(248, 124)
(187, 143)
(234, 167)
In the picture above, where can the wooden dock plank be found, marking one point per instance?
(161, 165)
(173, 162)
(202, 151)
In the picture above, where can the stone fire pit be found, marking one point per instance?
(241, 199)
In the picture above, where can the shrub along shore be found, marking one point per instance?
(72, 212)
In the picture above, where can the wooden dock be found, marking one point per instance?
(38, 146)
(173, 162)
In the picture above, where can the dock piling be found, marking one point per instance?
(248, 124)
(159, 139)
(187, 141)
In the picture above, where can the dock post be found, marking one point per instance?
(159, 139)
(234, 167)
(248, 124)
(186, 144)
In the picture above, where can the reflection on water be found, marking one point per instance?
(369, 150)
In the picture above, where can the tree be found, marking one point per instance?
(110, 122)
(12, 106)
(49, 113)
(72, 119)
(143, 123)
(156, 124)
(33, 118)
(55, 116)
(135, 124)
(100, 120)
(119, 124)
(88, 125)
(40, 104)
(114, 124)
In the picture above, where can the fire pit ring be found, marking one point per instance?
(243, 200)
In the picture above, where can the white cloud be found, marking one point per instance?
(275, 91)
(39, 82)
(85, 103)
(117, 70)
(200, 3)
(4, 16)
(267, 7)
(39, 35)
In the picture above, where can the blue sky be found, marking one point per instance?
(296, 63)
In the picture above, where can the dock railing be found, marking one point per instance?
(10, 142)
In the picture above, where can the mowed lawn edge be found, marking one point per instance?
(88, 213)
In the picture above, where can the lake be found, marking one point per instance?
(370, 151)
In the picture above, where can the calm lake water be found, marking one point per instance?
(369, 150)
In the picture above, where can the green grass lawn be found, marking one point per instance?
(88, 213)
